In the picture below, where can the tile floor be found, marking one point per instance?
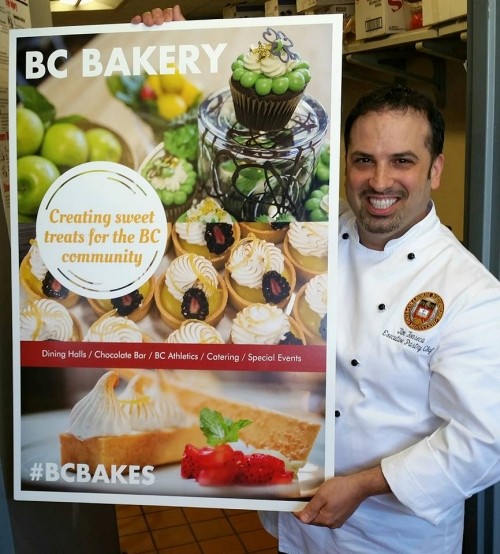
(163, 530)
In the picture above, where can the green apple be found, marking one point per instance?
(65, 145)
(29, 132)
(34, 176)
(103, 145)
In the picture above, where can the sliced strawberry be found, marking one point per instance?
(188, 461)
(282, 478)
(261, 469)
(217, 476)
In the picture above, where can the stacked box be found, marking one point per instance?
(243, 10)
(327, 6)
(375, 18)
(279, 7)
(436, 11)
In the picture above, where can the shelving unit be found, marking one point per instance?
(419, 55)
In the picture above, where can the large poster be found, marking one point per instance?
(175, 197)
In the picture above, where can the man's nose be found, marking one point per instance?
(381, 177)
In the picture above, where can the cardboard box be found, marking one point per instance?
(243, 10)
(347, 10)
(375, 18)
(436, 11)
(274, 8)
(341, 6)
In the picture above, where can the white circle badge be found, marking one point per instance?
(101, 230)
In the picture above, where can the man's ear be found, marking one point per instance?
(436, 171)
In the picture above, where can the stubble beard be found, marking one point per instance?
(379, 225)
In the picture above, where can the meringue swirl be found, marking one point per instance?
(38, 267)
(188, 271)
(145, 405)
(309, 238)
(45, 319)
(316, 294)
(260, 324)
(195, 332)
(251, 258)
(148, 408)
(99, 414)
(113, 328)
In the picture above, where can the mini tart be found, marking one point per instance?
(306, 267)
(308, 320)
(218, 260)
(170, 308)
(194, 331)
(32, 309)
(111, 327)
(295, 329)
(240, 296)
(33, 286)
(102, 307)
(263, 231)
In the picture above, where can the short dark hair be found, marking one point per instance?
(399, 98)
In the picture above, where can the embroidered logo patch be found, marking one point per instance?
(424, 311)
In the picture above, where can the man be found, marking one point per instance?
(418, 355)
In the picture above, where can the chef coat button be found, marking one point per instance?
(354, 362)
(411, 256)
(345, 236)
(381, 307)
(337, 413)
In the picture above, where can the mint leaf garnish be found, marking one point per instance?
(219, 429)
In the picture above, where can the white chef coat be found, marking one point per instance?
(417, 389)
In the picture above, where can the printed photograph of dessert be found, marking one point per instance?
(235, 143)
(231, 133)
(188, 434)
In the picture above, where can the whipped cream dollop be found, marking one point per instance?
(260, 60)
(188, 271)
(113, 328)
(309, 238)
(45, 319)
(99, 413)
(316, 294)
(146, 404)
(251, 258)
(260, 324)
(195, 332)
(192, 227)
(38, 267)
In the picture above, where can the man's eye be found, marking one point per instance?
(403, 161)
(362, 160)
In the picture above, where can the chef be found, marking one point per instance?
(418, 349)
(418, 352)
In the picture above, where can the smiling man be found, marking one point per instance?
(418, 356)
(393, 162)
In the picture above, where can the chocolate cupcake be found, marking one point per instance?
(267, 83)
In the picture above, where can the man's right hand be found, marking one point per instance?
(157, 16)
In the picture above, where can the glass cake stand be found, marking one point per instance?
(259, 173)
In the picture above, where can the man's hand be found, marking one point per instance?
(157, 16)
(339, 497)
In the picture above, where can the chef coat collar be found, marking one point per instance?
(415, 232)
